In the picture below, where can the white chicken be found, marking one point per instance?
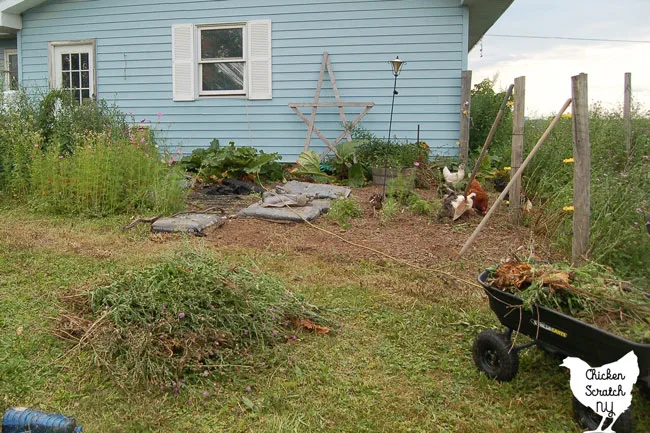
(607, 390)
(454, 177)
(462, 204)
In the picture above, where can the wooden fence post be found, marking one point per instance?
(627, 113)
(465, 105)
(499, 199)
(582, 168)
(517, 146)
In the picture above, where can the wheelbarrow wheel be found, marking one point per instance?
(589, 419)
(493, 355)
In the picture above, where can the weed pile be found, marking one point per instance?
(185, 315)
(590, 293)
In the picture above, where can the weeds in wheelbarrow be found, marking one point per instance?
(590, 293)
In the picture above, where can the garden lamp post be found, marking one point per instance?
(397, 67)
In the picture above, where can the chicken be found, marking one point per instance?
(462, 204)
(376, 201)
(607, 390)
(454, 177)
(481, 201)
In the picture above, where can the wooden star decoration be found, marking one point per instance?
(311, 128)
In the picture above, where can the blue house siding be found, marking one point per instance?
(133, 63)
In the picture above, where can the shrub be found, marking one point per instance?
(61, 119)
(484, 108)
(188, 313)
(19, 137)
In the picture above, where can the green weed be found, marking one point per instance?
(342, 211)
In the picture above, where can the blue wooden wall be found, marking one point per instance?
(133, 42)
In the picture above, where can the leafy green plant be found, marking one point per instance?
(346, 166)
(342, 211)
(309, 165)
(217, 162)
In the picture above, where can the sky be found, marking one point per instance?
(549, 64)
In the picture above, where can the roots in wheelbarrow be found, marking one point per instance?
(493, 355)
(589, 419)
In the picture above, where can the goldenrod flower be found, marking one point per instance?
(568, 160)
(566, 116)
(510, 103)
(568, 208)
(507, 168)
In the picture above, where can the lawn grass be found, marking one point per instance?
(398, 361)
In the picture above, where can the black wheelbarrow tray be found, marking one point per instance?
(496, 355)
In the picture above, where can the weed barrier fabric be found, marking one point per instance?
(189, 223)
(316, 190)
(294, 214)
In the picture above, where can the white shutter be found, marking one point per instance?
(183, 62)
(259, 60)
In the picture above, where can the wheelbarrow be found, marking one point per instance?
(495, 353)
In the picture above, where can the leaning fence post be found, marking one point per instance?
(499, 199)
(581, 169)
(517, 146)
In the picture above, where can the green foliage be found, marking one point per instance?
(216, 162)
(19, 137)
(484, 108)
(309, 165)
(619, 199)
(166, 319)
(105, 176)
(422, 207)
(61, 119)
(401, 188)
(389, 209)
(391, 154)
(342, 211)
(345, 166)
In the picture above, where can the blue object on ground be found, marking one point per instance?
(23, 420)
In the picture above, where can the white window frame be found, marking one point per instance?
(200, 63)
(257, 57)
(7, 73)
(55, 61)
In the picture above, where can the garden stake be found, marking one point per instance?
(489, 138)
(397, 66)
(514, 178)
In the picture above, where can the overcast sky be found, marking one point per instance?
(548, 64)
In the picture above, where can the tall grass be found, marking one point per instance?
(63, 157)
(105, 175)
(619, 189)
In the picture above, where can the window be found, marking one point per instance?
(221, 60)
(11, 70)
(72, 66)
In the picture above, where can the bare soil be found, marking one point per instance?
(416, 239)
